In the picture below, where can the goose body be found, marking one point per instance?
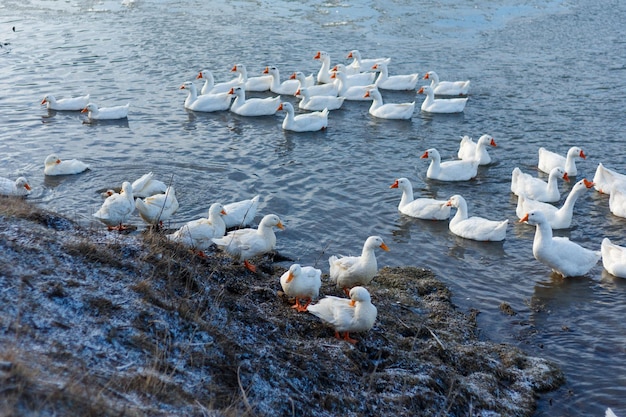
(329, 89)
(241, 213)
(19, 187)
(106, 113)
(617, 200)
(210, 87)
(244, 244)
(323, 75)
(457, 170)
(356, 314)
(549, 160)
(384, 81)
(475, 228)
(359, 64)
(301, 282)
(260, 83)
(253, 106)
(565, 257)
(558, 218)
(156, 209)
(209, 102)
(536, 188)
(613, 258)
(420, 208)
(468, 149)
(317, 103)
(432, 105)
(355, 92)
(447, 88)
(199, 234)
(362, 78)
(65, 104)
(147, 185)
(53, 165)
(287, 87)
(399, 111)
(348, 271)
(117, 208)
(605, 178)
(306, 122)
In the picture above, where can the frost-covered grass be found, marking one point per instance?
(97, 323)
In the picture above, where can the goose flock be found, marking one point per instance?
(229, 226)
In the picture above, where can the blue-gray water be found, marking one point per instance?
(543, 73)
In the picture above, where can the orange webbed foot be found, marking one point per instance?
(249, 266)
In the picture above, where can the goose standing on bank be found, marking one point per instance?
(301, 283)
(199, 234)
(348, 271)
(117, 208)
(420, 208)
(432, 105)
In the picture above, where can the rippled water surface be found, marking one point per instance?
(543, 73)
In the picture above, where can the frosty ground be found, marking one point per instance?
(98, 323)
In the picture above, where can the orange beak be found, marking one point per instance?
(266, 70)
(582, 154)
(333, 75)
(58, 161)
(292, 76)
(182, 87)
(426, 76)
(493, 142)
(367, 94)
(375, 66)
(394, 185)
(231, 91)
(199, 75)
(565, 177)
(27, 187)
(44, 101)
(425, 155)
(588, 184)
(420, 91)
(352, 303)
(233, 68)
(290, 277)
(318, 55)
(334, 68)
(349, 55)
(84, 110)
(449, 203)
(384, 247)
(223, 212)
(297, 92)
(280, 107)
(280, 226)
(524, 219)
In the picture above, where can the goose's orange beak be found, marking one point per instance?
(524, 219)
(384, 247)
(565, 177)
(367, 93)
(266, 70)
(425, 76)
(199, 75)
(318, 55)
(420, 91)
(280, 226)
(588, 184)
(280, 107)
(352, 303)
(394, 185)
(582, 154)
(493, 142)
(292, 76)
(233, 68)
(425, 155)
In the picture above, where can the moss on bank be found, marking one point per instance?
(95, 323)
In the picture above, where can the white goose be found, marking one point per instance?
(565, 257)
(248, 243)
(384, 81)
(313, 103)
(613, 258)
(604, 179)
(260, 83)
(617, 200)
(536, 188)
(355, 92)
(301, 282)
(468, 149)
(559, 218)
(241, 213)
(330, 89)
(355, 315)
(210, 87)
(420, 208)
(398, 111)
(53, 165)
(348, 271)
(117, 208)
(458, 170)
(303, 80)
(19, 187)
(307, 122)
(323, 75)
(475, 228)
(199, 234)
(359, 64)
(156, 209)
(65, 104)
(209, 102)
(253, 106)
(362, 78)
(106, 113)
(432, 105)
(287, 87)
(549, 160)
(146, 185)
(447, 88)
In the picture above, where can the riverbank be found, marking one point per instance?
(97, 323)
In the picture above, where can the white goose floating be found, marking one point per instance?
(362, 78)
(617, 200)
(106, 113)
(253, 106)
(432, 105)
(565, 257)
(348, 271)
(558, 218)
(549, 160)
(210, 87)
(53, 165)
(536, 188)
(317, 103)
(468, 149)
(259, 83)
(287, 87)
(301, 283)
(357, 314)
(457, 170)
(359, 64)
(420, 208)
(613, 258)
(384, 81)
(355, 92)
(244, 244)
(18, 188)
(306, 122)
(397, 111)
(447, 88)
(329, 89)
(475, 228)
(323, 75)
(209, 102)
(65, 104)
(605, 178)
